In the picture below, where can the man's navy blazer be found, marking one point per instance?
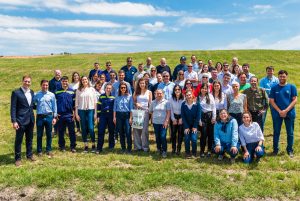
(20, 110)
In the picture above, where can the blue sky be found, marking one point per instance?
(38, 27)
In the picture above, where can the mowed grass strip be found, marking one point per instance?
(121, 175)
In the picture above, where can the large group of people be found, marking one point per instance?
(225, 104)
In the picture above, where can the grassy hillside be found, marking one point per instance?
(89, 175)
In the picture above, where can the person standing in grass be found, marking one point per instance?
(251, 138)
(142, 99)
(181, 66)
(242, 79)
(153, 78)
(22, 118)
(191, 114)
(74, 85)
(94, 71)
(191, 75)
(108, 70)
(220, 98)
(65, 98)
(105, 118)
(283, 98)
(177, 131)
(180, 79)
(226, 136)
(245, 69)
(257, 101)
(167, 86)
(154, 87)
(129, 71)
(122, 116)
(163, 67)
(138, 75)
(86, 111)
(160, 110)
(54, 83)
(208, 118)
(46, 113)
(267, 83)
(236, 103)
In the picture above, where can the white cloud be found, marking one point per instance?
(13, 21)
(194, 20)
(292, 43)
(36, 42)
(157, 27)
(245, 19)
(96, 8)
(261, 9)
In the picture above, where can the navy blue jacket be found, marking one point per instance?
(105, 105)
(190, 117)
(20, 111)
(65, 101)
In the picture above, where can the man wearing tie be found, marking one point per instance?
(22, 118)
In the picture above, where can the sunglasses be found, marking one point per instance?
(190, 66)
(177, 89)
(129, 61)
(204, 77)
(108, 65)
(153, 70)
(188, 83)
(165, 76)
(180, 74)
(123, 87)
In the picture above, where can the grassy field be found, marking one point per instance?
(140, 176)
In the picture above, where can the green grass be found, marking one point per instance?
(122, 175)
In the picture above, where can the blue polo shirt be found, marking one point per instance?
(267, 83)
(129, 73)
(105, 105)
(283, 96)
(65, 102)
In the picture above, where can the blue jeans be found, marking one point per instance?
(124, 129)
(225, 147)
(191, 137)
(160, 137)
(251, 149)
(44, 121)
(87, 124)
(289, 125)
(106, 120)
(62, 123)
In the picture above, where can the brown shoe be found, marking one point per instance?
(50, 155)
(18, 163)
(31, 158)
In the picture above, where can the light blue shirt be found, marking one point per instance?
(229, 136)
(45, 103)
(115, 88)
(167, 88)
(268, 83)
(123, 104)
(195, 67)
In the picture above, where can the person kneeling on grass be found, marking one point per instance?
(251, 138)
(226, 136)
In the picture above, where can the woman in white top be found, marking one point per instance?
(142, 98)
(204, 70)
(95, 78)
(208, 118)
(153, 78)
(177, 128)
(220, 98)
(251, 138)
(86, 111)
(180, 79)
(98, 89)
(75, 81)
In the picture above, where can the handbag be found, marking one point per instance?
(138, 119)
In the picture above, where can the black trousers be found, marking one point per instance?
(28, 131)
(177, 130)
(257, 117)
(207, 132)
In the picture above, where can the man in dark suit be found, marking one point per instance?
(22, 118)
